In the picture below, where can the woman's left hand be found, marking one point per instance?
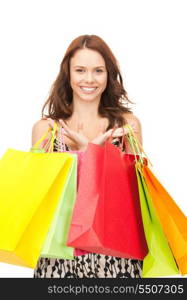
(102, 137)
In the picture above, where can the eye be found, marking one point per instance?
(98, 70)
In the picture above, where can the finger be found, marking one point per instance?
(79, 126)
(62, 123)
(101, 131)
(64, 131)
(102, 128)
(120, 131)
(116, 131)
(108, 133)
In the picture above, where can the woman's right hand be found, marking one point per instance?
(76, 136)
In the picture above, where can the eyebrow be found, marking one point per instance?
(84, 67)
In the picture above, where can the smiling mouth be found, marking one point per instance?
(88, 90)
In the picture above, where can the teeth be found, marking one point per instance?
(88, 89)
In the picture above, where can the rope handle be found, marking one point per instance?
(136, 145)
(50, 143)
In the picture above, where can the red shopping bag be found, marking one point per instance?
(107, 216)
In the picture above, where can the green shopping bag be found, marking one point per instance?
(56, 240)
(54, 245)
(159, 261)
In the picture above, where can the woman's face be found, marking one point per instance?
(88, 75)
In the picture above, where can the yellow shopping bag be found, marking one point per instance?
(30, 187)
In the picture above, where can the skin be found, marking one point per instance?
(87, 69)
(85, 125)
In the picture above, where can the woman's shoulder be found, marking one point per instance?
(39, 128)
(130, 116)
(135, 123)
(132, 119)
(40, 125)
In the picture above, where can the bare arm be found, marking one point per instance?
(38, 129)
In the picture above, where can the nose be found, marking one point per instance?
(89, 77)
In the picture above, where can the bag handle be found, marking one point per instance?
(50, 142)
(135, 145)
(111, 137)
(133, 141)
(61, 144)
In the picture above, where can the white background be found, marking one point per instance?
(148, 38)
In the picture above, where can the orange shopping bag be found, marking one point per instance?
(172, 219)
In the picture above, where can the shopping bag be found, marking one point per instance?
(80, 156)
(44, 146)
(55, 245)
(107, 217)
(172, 219)
(55, 242)
(31, 184)
(59, 143)
(160, 260)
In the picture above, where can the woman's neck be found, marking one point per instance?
(85, 111)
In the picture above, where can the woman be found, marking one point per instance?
(89, 101)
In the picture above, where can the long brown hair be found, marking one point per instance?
(114, 100)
